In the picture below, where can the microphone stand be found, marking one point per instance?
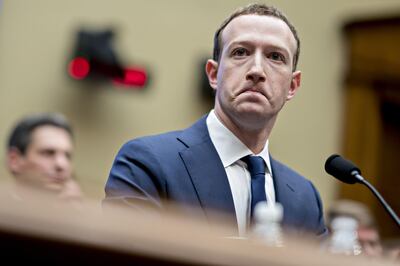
(376, 193)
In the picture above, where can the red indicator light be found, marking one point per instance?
(79, 68)
(133, 77)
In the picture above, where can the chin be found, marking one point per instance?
(251, 109)
(54, 186)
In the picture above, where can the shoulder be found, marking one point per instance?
(173, 140)
(149, 144)
(150, 139)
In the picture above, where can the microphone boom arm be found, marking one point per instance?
(378, 196)
(347, 172)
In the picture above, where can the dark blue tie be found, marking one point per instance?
(256, 166)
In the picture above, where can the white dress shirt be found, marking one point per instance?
(230, 150)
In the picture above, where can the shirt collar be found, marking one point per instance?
(229, 148)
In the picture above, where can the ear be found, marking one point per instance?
(294, 85)
(14, 160)
(211, 71)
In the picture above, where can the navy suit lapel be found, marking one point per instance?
(285, 192)
(206, 170)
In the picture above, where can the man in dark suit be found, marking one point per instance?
(211, 164)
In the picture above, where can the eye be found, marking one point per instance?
(240, 52)
(48, 152)
(68, 155)
(277, 56)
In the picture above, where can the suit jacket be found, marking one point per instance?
(184, 167)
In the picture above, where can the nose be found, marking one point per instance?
(62, 163)
(256, 73)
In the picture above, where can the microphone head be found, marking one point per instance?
(342, 169)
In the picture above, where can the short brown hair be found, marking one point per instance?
(256, 9)
(20, 137)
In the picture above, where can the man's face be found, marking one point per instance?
(254, 77)
(370, 241)
(47, 160)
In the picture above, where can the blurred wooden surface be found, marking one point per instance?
(47, 230)
(371, 136)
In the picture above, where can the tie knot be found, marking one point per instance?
(255, 164)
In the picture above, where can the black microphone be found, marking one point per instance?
(347, 172)
(342, 169)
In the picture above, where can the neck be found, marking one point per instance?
(25, 191)
(254, 136)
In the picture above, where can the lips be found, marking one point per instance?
(58, 178)
(252, 89)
